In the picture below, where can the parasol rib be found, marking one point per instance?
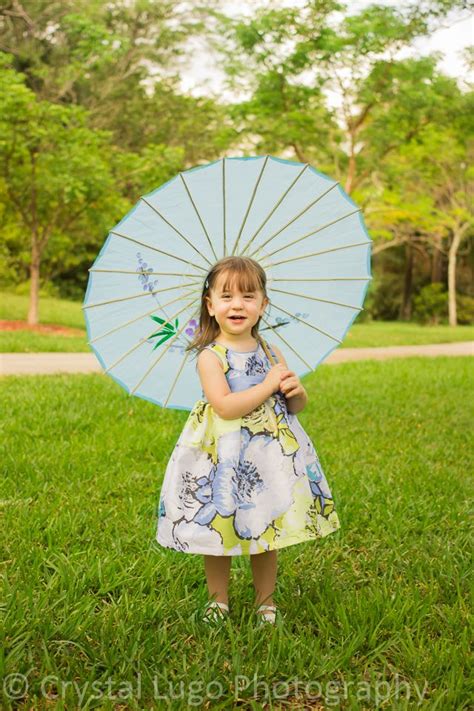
(137, 272)
(254, 192)
(143, 340)
(137, 318)
(274, 208)
(309, 234)
(176, 379)
(307, 323)
(137, 296)
(155, 249)
(315, 298)
(314, 254)
(200, 220)
(293, 219)
(176, 229)
(321, 279)
(165, 350)
(298, 355)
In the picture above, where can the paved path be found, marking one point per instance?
(49, 363)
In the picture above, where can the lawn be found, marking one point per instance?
(69, 313)
(51, 310)
(374, 616)
(27, 342)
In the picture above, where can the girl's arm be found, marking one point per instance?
(225, 403)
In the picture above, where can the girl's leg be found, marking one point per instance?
(264, 571)
(217, 569)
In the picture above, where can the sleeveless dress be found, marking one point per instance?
(247, 485)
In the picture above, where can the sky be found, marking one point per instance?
(204, 77)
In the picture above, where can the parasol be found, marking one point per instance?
(144, 290)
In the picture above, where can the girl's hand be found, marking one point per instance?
(291, 385)
(274, 375)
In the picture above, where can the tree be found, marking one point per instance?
(291, 59)
(431, 182)
(55, 175)
(283, 114)
(121, 61)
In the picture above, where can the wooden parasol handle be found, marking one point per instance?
(267, 352)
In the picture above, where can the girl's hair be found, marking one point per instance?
(248, 274)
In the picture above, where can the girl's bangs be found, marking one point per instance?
(245, 280)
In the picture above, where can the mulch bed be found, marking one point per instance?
(49, 328)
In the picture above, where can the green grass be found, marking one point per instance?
(398, 333)
(27, 342)
(91, 597)
(51, 310)
(68, 313)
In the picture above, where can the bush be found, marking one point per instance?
(383, 297)
(8, 273)
(431, 304)
(47, 289)
(465, 310)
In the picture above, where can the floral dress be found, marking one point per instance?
(247, 485)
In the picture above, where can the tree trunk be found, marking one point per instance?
(405, 309)
(453, 250)
(437, 262)
(33, 311)
(351, 169)
(299, 153)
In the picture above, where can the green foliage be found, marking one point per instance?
(47, 289)
(431, 304)
(97, 130)
(383, 297)
(465, 309)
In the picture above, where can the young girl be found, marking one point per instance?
(244, 477)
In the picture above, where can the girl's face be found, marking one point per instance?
(236, 312)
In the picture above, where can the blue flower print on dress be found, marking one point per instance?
(316, 481)
(238, 487)
(254, 365)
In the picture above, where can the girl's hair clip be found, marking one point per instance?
(206, 283)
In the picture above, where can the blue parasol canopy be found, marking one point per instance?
(143, 296)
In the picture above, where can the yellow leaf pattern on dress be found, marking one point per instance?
(288, 441)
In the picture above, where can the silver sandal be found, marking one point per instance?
(267, 614)
(215, 612)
